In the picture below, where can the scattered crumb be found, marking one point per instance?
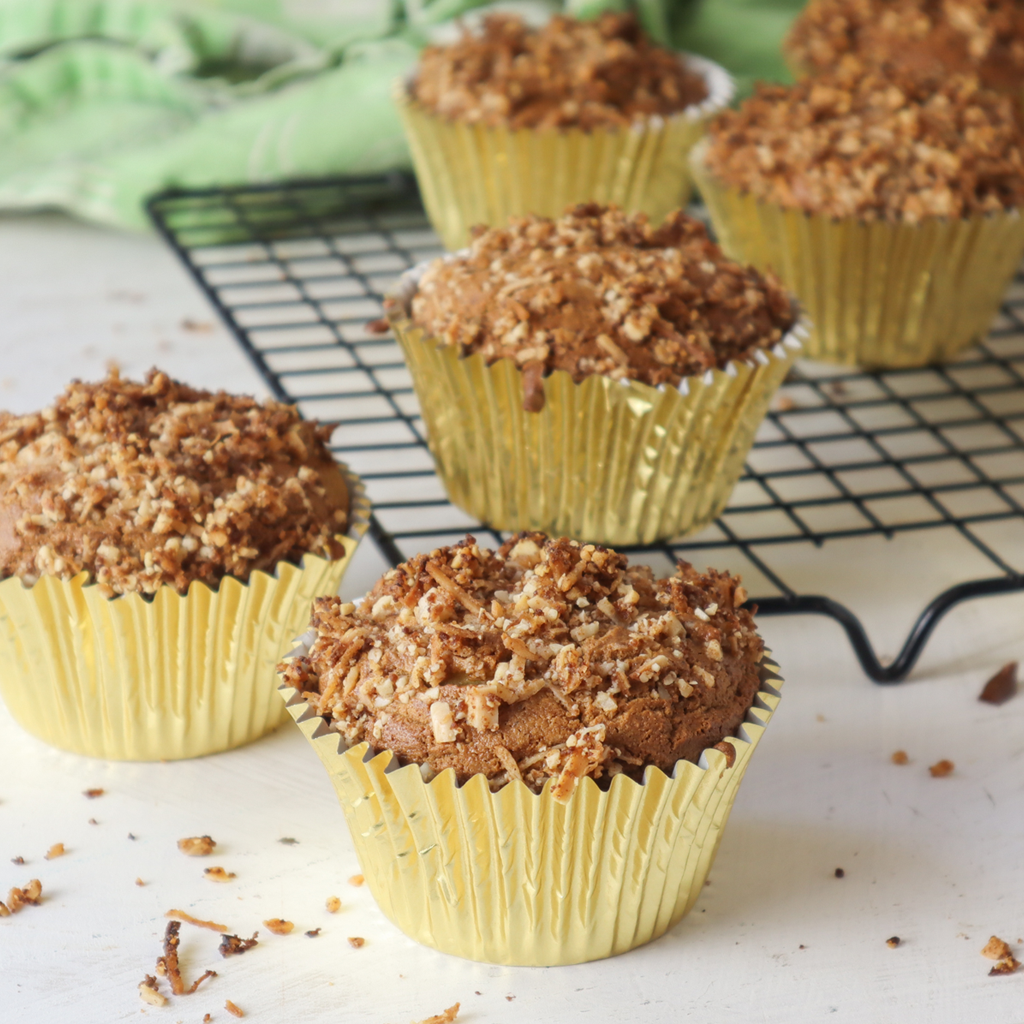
(356, 880)
(189, 919)
(1002, 686)
(233, 1010)
(840, 873)
(167, 965)
(893, 942)
(509, 998)
(312, 933)
(785, 404)
(333, 904)
(149, 992)
(130, 836)
(801, 946)
(195, 984)
(197, 846)
(92, 793)
(941, 768)
(201, 326)
(900, 757)
(1008, 965)
(207, 1018)
(57, 850)
(444, 1017)
(478, 993)
(288, 841)
(380, 326)
(356, 942)
(219, 874)
(996, 949)
(18, 898)
(278, 926)
(17, 860)
(139, 881)
(820, 718)
(93, 821)
(232, 945)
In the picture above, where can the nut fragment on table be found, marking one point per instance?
(996, 949)
(444, 1017)
(18, 898)
(57, 850)
(893, 942)
(232, 945)
(356, 880)
(197, 846)
(219, 874)
(235, 1011)
(1002, 686)
(278, 926)
(356, 941)
(333, 904)
(149, 992)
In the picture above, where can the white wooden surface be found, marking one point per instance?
(775, 938)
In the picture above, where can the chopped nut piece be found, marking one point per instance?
(4, 911)
(893, 942)
(219, 874)
(356, 942)
(232, 945)
(333, 904)
(233, 1010)
(312, 933)
(444, 1017)
(356, 880)
(278, 926)
(189, 919)
(197, 846)
(1002, 686)
(941, 768)
(57, 850)
(840, 873)
(1008, 965)
(93, 793)
(996, 949)
(900, 757)
(149, 992)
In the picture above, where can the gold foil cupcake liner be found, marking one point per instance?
(176, 676)
(517, 878)
(604, 461)
(878, 294)
(473, 174)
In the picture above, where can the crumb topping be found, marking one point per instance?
(875, 146)
(153, 483)
(598, 291)
(547, 659)
(569, 73)
(931, 37)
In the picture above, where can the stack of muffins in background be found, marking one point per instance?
(590, 365)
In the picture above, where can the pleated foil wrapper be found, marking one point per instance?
(879, 295)
(473, 174)
(517, 878)
(134, 679)
(604, 461)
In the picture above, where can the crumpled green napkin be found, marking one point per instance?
(106, 102)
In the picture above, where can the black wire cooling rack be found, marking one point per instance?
(298, 270)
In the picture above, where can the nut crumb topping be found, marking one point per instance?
(568, 73)
(154, 483)
(197, 846)
(591, 666)
(926, 37)
(874, 146)
(598, 291)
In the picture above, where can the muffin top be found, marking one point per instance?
(875, 145)
(144, 484)
(597, 291)
(930, 37)
(547, 659)
(570, 73)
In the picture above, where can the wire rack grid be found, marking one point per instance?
(298, 270)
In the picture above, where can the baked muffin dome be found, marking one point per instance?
(156, 483)
(600, 292)
(584, 74)
(547, 659)
(873, 144)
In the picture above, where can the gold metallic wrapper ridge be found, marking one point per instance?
(516, 878)
(176, 676)
(604, 461)
(878, 294)
(473, 174)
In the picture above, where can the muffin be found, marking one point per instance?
(159, 547)
(889, 204)
(594, 375)
(536, 748)
(515, 120)
(932, 38)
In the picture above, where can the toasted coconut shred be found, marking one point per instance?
(546, 660)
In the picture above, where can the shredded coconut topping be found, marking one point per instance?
(568, 73)
(874, 145)
(547, 659)
(153, 483)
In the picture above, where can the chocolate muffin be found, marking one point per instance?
(152, 484)
(600, 292)
(545, 660)
(567, 73)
